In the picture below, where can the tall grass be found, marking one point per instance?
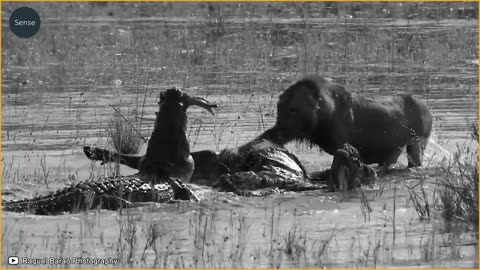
(459, 187)
(123, 137)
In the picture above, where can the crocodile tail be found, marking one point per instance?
(112, 193)
(303, 186)
(106, 156)
(62, 200)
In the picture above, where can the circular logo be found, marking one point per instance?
(24, 22)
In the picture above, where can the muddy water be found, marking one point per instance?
(58, 97)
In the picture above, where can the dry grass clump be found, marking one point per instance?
(457, 190)
(459, 187)
(123, 137)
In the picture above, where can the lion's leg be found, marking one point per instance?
(415, 153)
(389, 160)
(391, 156)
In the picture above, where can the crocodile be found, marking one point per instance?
(108, 193)
(161, 171)
(261, 167)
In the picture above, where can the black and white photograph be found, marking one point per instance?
(239, 134)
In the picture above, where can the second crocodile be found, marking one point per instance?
(168, 162)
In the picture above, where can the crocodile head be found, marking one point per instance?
(176, 97)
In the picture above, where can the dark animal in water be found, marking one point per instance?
(321, 112)
(168, 150)
(167, 160)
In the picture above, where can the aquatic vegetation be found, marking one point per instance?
(459, 187)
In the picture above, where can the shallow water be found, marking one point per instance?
(58, 89)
